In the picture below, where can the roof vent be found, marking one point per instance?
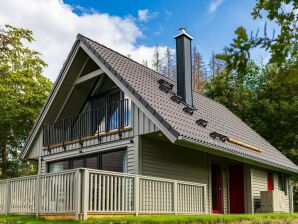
(221, 137)
(176, 98)
(165, 86)
(189, 109)
(202, 123)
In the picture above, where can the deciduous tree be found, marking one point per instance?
(23, 90)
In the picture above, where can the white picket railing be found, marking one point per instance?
(84, 191)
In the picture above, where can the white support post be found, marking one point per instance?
(205, 199)
(85, 191)
(37, 195)
(8, 198)
(137, 194)
(175, 197)
(77, 194)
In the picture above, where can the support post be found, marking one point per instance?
(85, 195)
(175, 197)
(205, 199)
(37, 195)
(77, 198)
(137, 194)
(8, 197)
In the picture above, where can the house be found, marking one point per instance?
(117, 137)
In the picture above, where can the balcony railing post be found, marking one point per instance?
(175, 197)
(137, 195)
(85, 195)
(77, 204)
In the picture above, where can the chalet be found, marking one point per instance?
(115, 137)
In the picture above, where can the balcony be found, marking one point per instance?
(113, 118)
(79, 193)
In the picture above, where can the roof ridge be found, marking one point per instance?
(122, 55)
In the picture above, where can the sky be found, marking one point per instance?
(132, 27)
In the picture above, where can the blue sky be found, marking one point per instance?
(131, 27)
(212, 29)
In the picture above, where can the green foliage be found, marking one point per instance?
(265, 100)
(23, 90)
(281, 12)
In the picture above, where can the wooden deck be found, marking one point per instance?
(82, 192)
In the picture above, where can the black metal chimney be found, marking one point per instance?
(184, 73)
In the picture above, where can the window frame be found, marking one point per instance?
(84, 157)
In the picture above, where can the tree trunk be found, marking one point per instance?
(4, 164)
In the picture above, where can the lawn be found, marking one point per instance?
(247, 219)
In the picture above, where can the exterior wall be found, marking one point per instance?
(163, 159)
(259, 183)
(37, 147)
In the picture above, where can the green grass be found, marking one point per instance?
(247, 219)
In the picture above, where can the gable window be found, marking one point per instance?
(270, 181)
(111, 161)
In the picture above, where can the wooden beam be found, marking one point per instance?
(90, 75)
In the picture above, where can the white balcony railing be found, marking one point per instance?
(85, 191)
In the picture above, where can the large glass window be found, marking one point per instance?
(110, 161)
(58, 166)
(92, 162)
(113, 161)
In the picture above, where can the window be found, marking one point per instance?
(58, 166)
(77, 163)
(111, 161)
(92, 162)
(270, 181)
(282, 183)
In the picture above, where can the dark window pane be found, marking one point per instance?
(58, 166)
(113, 161)
(91, 162)
(77, 163)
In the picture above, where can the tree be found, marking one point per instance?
(145, 63)
(157, 60)
(198, 70)
(281, 12)
(216, 65)
(23, 90)
(168, 65)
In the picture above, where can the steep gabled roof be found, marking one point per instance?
(143, 83)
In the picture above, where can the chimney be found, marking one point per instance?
(184, 73)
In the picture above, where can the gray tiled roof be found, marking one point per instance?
(143, 83)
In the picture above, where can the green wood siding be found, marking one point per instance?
(163, 159)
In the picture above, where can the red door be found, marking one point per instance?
(270, 182)
(216, 188)
(236, 180)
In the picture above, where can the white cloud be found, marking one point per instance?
(214, 4)
(144, 15)
(55, 27)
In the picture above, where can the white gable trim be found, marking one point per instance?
(35, 130)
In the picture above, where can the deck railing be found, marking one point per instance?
(103, 119)
(86, 191)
